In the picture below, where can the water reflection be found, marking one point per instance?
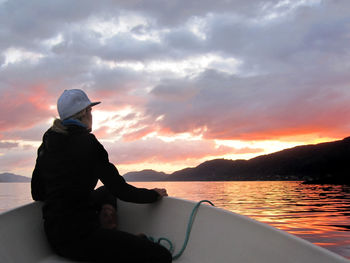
(316, 213)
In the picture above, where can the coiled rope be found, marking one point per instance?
(188, 232)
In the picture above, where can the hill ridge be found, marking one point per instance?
(13, 178)
(322, 162)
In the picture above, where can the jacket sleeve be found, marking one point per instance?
(116, 184)
(37, 184)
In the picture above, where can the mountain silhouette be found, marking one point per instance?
(317, 163)
(13, 178)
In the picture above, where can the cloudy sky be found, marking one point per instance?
(180, 81)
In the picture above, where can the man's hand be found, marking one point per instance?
(161, 191)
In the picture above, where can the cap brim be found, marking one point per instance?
(94, 103)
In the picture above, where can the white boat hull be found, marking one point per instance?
(218, 236)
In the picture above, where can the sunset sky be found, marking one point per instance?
(181, 81)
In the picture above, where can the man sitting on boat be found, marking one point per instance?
(80, 222)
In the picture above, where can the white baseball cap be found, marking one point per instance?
(73, 101)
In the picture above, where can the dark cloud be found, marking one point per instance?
(172, 13)
(254, 108)
(27, 134)
(27, 23)
(290, 75)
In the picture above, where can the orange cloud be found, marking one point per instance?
(155, 150)
(102, 132)
(24, 108)
(139, 134)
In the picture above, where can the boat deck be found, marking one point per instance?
(217, 235)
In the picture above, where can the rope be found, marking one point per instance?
(188, 232)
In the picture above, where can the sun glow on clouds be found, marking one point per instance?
(256, 147)
(126, 127)
(116, 124)
(109, 121)
(250, 149)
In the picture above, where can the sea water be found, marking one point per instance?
(317, 213)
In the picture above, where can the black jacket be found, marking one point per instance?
(69, 163)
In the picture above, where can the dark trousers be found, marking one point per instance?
(109, 245)
(105, 245)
